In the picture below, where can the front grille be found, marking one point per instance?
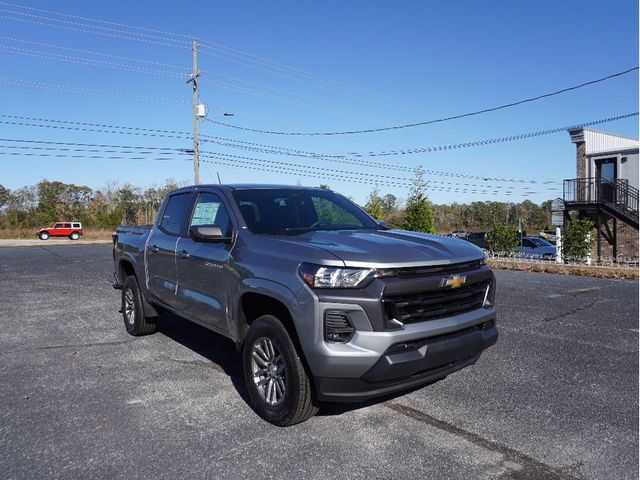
(409, 272)
(417, 307)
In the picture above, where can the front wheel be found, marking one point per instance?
(74, 236)
(44, 236)
(278, 384)
(548, 256)
(133, 310)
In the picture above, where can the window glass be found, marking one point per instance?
(57, 225)
(174, 213)
(76, 225)
(329, 212)
(67, 225)
(209, 210)
(295, 211)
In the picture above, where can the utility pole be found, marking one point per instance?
(193, 78)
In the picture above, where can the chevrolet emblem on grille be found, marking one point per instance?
(453, 281)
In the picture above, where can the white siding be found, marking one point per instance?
(601, 142)
(629, 169)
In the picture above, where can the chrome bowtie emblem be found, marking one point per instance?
(453, 281)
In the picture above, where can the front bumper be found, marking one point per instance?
(430, 359)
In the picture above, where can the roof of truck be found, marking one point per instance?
(245, 186)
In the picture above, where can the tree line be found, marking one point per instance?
(114, 204)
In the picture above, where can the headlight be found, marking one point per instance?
(317, 276)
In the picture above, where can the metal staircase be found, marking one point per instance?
(616, 198)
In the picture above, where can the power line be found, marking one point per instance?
(416, 150)
(437, 120)
(77, 144)
(89, 61)
(118, 35)
(141, 131)
(338, 177)
(125, 152)
(90, 91)
(95, 20)
(378, 177)
(118, 31)
(492, 141)
(91, 52)
(164, 38)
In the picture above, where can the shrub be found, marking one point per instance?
(577, 243)
(502, 238)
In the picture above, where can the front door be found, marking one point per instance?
(205, 272)
(160, 251)
(606, 171)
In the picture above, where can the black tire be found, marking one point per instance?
(547, 256)
(44, 236)
(74, 236)
(297, 403)
(133, 310)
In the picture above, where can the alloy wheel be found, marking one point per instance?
(129, 306)
(267, 367)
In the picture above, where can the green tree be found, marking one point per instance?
(502, 238)
(577, 241)
(374, 205)
(5, 195)
(418, 213)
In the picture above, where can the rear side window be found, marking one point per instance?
(174, 213)
(76, 225)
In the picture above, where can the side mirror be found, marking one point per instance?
(208, 233)
(383, 225)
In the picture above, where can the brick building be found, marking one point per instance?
(606, 190)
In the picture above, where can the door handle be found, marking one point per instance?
(184, 254)
(154, 249)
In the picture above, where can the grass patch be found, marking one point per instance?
(624, 273)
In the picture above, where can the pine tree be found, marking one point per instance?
(418, 214)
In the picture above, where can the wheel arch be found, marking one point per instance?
(259, 297)
(126, 268)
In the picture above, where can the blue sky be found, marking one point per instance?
(341, 66)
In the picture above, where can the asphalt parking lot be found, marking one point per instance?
(557, 397)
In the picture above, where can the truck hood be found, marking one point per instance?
(389, 248)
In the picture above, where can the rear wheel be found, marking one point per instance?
(278, 384)
(74, 236)
(133, 310)
(44, 236)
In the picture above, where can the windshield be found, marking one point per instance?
(295, 211)
(540, 242)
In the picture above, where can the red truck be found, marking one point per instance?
(73, 230)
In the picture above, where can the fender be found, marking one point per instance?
(272, 289)
(127, 257)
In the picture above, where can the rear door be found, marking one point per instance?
(205, 269)
(160, 251)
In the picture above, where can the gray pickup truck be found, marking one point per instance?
(324, 302)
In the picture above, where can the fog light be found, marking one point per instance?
(337, 327)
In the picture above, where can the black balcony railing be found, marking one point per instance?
(617, 194)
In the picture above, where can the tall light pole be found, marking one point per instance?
(193, 78)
